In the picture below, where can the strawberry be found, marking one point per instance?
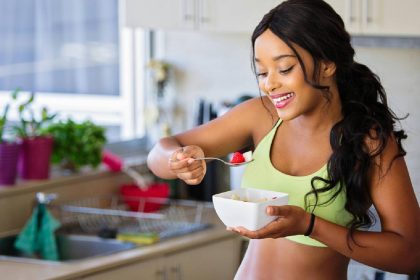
(237, 158)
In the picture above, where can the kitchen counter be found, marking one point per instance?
(178, 253)
(78, 269)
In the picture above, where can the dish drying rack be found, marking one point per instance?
(165, 217)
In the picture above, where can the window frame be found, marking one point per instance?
(125, 109)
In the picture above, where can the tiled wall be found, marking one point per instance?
(217, 67)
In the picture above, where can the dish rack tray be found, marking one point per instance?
(165, 217)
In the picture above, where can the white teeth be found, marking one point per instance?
(287, 96)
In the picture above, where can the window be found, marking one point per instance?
(77, 59)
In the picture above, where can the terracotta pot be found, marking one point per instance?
(9, 154)
(34, 160)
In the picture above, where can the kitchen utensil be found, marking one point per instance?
(96, 213)
(225, 162)
(115, 163)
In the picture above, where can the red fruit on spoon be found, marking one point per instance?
(237, 158)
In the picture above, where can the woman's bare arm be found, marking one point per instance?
(228, 133)
(397, 247)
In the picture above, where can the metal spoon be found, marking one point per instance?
(225, 162)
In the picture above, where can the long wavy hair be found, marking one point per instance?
(317, 28)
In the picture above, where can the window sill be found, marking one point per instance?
(133, 153)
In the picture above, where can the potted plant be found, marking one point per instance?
(9, 153)
(76, 145)
(34, 160)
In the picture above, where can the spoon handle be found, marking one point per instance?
(225, 162)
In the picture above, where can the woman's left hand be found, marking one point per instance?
(292, 220)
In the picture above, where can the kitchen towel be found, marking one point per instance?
(37, 236)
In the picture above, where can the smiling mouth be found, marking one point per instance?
(281, 100)
(282, 97)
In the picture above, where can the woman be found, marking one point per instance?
(322, 133)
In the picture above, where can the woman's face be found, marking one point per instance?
(280, 76)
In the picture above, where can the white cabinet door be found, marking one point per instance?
(379, 17)
(217, 260)
(147, 270)
(165, 14)
(390, 17)
(232, 15)
(372, 17)
(214, 261)
(350, 12)
(208, 15)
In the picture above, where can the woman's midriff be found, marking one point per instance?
(282, 259)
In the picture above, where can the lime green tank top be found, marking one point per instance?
(261, 174)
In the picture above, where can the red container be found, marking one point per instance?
(147, 200)
(9, 154)
(34, 160)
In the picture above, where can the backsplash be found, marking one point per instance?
(217, 67)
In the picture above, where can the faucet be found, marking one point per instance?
(43, 198)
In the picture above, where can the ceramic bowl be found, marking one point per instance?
(246, 207)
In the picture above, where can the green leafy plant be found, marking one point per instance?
(3, 121)
(3, 117)
(30, 125)
(76, 144)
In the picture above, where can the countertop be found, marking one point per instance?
(19, 200)
(73, 270)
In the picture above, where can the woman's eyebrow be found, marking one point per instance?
(276, 58)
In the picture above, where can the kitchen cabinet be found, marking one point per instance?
(203, 15)
(379, 17)
(143, 270)
(218, 260)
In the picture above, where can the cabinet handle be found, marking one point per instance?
(368, 11)
(161, 274)
(351, 17)
(177, 271)
(187, 16)
(203, 19)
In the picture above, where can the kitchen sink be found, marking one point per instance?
(70, 248)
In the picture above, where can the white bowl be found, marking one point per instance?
(233, 211)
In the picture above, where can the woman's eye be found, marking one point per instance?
(261, 75)
(286, 70)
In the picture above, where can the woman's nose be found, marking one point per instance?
(272, 82)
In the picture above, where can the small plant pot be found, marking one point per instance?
(9, 154)
(34, 160)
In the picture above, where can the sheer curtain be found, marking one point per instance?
(59, 46)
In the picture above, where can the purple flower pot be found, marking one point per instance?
(34, 160)
(9, 154)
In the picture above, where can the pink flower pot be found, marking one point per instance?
(9, 154)
(34, 160)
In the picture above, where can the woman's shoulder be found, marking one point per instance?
(257, 115)
(258, 110)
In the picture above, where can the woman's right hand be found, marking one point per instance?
(182, 164)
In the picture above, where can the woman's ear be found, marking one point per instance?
(327, 69)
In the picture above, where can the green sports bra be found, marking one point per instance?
(261, 174)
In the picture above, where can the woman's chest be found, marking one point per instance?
(299, 155)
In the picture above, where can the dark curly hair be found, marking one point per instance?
(317, 28)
